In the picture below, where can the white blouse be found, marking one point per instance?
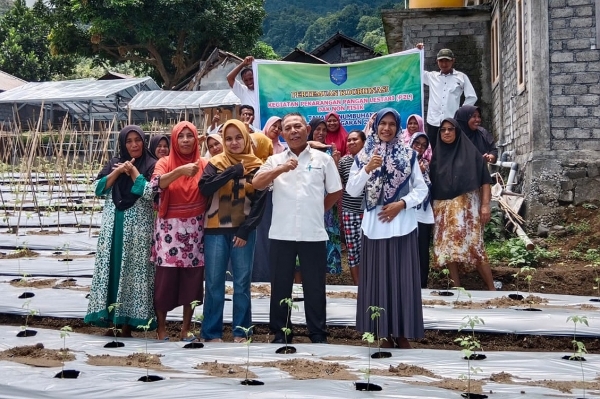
(406, 221)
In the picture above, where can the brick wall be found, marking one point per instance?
(353, 54)
(574, 75)
(464, 31)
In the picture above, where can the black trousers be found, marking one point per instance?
(432, 133)
(424, 240)
(313, 266)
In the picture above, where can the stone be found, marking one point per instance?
(575, 173)
(559, 233)
(566, 196)
(557, 227)
(567, 185)
(542, 231)
(593, 170)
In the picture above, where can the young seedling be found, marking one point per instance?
(369, 338)
(471, 322)
(286, 330)
(30, 313)
(578, 347)
(64, 333)
(461, 290)
(147, 357)
(528, 272)
(375, 315)
(195, 332)
(248, 333)
(468, 344)
(446, 272)
(516, 296)
(113, 307)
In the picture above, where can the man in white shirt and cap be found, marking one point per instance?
(445, 89)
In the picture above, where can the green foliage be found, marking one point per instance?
(24, 46)
(308, 23)
(291, 305)
(30, 313)
(470, 345)
(375, 315)
(64, 333)
(262, 50)
(195, 318)
(516, 254)
(493, 230)
(579, 228)
(369, 338)
(170, 37)
(145, 328)
(579, 348)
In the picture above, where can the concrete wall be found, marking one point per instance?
(464, 30)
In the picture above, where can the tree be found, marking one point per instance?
(263, 51)
(24, 45)
(171, 36)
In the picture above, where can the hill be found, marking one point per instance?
(306, 24)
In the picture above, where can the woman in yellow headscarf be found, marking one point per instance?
(230, 229)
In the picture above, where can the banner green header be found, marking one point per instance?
(355, 90)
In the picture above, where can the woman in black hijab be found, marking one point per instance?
(461, 204)
(159, 146)
(123, 273)
(469, 120)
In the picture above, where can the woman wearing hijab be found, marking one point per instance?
(261, 145)
(318, 133)
(424, 212)
(123, 272)
(159, 146)
(469, 120)
(261, 269)
(234, 211)
(352, 207)
(178, 250)
(214, 144)
(273, 131)
(389, 275)
(336, 134)
(461, 203)
(414, 124)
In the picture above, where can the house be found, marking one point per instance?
(212, 73)
(8, 81)
(338, 49)
(536, 67)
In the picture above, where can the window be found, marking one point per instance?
(520, 46)
(495, 37)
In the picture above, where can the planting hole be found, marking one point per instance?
(26, 295)
(150, 378)
(194, 345)
(574, 358)
(114, 344)
(364, 386)
(381, 355)
(67, 374)
(252, 382)
(285, 351)
(26, 333)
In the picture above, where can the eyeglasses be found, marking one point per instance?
(418, 144)
(447, 129)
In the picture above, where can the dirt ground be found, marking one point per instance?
(567, 273)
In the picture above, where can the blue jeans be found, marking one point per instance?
(218, 251)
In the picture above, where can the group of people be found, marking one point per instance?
(175, 220)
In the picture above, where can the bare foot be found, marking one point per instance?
(402, 343)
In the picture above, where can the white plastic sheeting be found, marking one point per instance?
(74, 239)
(183, 381)
(341, 311)
(178, 100)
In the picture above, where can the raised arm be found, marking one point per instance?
(269, 172)
(235, 71)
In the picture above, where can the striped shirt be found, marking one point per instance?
(349, 203)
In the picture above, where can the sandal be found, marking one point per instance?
(213, 340)
(190, 338)
(240, 340)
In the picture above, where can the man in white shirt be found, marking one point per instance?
(445, 88)
(300, 177)
(245, 92)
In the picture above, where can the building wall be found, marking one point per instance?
(571, 158)
(353, 54)
(464, 31)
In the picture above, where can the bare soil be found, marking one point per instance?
(141, 360)
(34, 283)
(36, 355)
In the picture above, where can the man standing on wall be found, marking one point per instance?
(300, 175)
(445, 88)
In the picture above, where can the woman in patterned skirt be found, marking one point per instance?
(123, 273)
(352, 207)
(461, 204)
(178, 250)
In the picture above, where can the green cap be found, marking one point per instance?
(445, 53)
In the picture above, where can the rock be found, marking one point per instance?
(542, 231)
(559, 233)
(39, 345)
(558, 228)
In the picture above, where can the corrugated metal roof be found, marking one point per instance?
(8, 81)
(165, 99)
(77, 90)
